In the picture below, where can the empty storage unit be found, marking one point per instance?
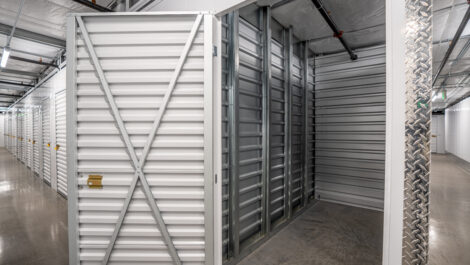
(193, 139)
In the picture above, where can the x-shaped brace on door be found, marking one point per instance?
(136, 163)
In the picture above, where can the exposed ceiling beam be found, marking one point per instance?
(337, 33)
(6, 82)
(457, 35)
(93, 6)
(32, 36)
(281, 3)
(21, 59)
(18, 72)
(30, 53)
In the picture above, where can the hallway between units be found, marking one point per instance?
(33, 217)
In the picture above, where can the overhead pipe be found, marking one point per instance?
(452, 44)
(337, 33)
(15, 83)
(92, 5)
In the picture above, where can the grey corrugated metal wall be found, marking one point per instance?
(350, 128)
(267, 179)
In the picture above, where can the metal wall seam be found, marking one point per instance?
(234, 135)
(266, 105)
(306, 107)
(209, 134)
(71, 137)
(289, 67)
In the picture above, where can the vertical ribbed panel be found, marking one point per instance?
(311, 128)
(36, 139)
(350, 128)
(278, 133)
(250, 131)
(139, 55)
(297, 130)
(29, 137)
(225, 136)
(46, 140)
(20, 134)
(60, 148)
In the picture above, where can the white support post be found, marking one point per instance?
(395, 132)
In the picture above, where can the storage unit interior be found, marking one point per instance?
(302, 122)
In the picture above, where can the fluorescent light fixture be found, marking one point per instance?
(5, 55)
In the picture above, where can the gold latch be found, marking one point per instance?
(57, 146)
(48, 144)
(94, 181)
(34, 142)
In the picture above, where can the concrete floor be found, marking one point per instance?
(33, 217)
(450, 211)
(326, 234)
(33, 224)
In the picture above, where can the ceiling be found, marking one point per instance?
(37, 45)
(39, 40)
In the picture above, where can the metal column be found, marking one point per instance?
(234, 134)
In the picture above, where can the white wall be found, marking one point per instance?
(438, 134)
(457, 129)
(2, 131)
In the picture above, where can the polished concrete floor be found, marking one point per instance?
(33, 224)
(450, 211)
(326, 234)
(33, 217)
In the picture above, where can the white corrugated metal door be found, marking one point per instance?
(46, 140)
(142, 94)
(20, 134)
(60, 142)
(29, 138)
(36, 142)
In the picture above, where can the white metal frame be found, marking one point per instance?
(212, 139)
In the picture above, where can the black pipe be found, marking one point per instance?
(452, 44)
(337, 33)
(92, 5)
(30, 61)
(15, 83)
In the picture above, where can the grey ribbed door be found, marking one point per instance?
(60, 148)
(350, 128)
(46, 140)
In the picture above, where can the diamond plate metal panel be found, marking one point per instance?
(418, 62)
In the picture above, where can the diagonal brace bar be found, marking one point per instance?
(125, 137)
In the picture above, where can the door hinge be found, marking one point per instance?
(214, 51)
(215, 178)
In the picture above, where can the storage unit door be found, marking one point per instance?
(37, 139)
(24, 137)
(46, 140)
(29, 138)
(60, 146)
(14, 133)
(142, 94)
(20, 137)
(350, 128)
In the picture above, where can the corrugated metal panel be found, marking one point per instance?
(46, 140)
(311, 131)
(29, 137)
(37, 139)
(350, 128)
(297, 131)
(20, 134)
(250, 131)
(225, 137)
(60, 142)
(278, 183)
(139, 55)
